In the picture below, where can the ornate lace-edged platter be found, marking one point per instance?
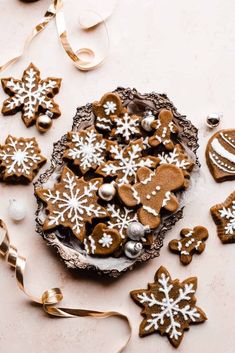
(137, 144)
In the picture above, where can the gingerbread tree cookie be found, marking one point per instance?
(72, 203)
(126, 126)
(20, 159)
(103, 241)
(224, 217)
(125, 161)
(164, 127)
(86, 148)
(153, 192)
(109, 104)
(169, 306)
(193, 241)
(31, 95)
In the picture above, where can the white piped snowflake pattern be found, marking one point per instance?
(228, 213)
(72, 203)
(20, 157)
(110, 107)
(106, 241)
(127, 126)
(120, 218)
(30, 95)
(169, 306)
(86, 148)
(173, 158)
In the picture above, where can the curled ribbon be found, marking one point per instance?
(52, 297)
(56, 11)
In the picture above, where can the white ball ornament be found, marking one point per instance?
(132, 249)
(135, 231)
(107, 191)
(147, 121)
(16, 210)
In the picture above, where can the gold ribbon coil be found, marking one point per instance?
(52, 297)
(56, 10)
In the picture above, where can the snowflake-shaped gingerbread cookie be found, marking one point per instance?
(31, 95)
(125, 161)
(72, 203)
(20, 159)
(86, 148)
(169, 306)
(224, 217)
(126, 126)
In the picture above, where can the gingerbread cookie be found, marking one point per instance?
(20, 159)
(86, 148)
(169, 306)
(109, 104)
(224, 217)
(153, 192)
(220, 155)
(126, 126)
(103, 241)
(31, 95)
(180, 159)
(193, 241)
(164, 127)
(125, 161)
(72, 203)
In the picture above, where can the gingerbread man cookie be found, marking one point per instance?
(72, 203)
(125, 161)
(103, 241)
(193, 241)
(164, 127)
(153, 192)
(86, 148)
(220, 155)
(224, 217)
(169, 306)
(126, 126)
(20, 159)
(109, 104)
(31, 95)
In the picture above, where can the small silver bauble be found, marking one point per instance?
(44, 122)
(132, 249)
(147, 121)
(107, 191)
(213, 120)
(16, 210)
(135, 231)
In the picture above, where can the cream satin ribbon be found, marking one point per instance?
(56, 10)
(52, 297)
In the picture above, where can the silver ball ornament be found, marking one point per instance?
(132, 249)
(213, 120)
(107, 191)
(147, 121)
(135, 231)
(16, 210)
(44, 122)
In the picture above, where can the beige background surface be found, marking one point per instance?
(185, 48)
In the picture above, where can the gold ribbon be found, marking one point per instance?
(55, 10)
(52, 297)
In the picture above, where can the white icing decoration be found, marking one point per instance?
(110, 107)
(103, 123)
(228, 139)
(92, 244)
(173, 158)
(20, 157)
(229, 214)
(148, 179)
(135, 195)
(87, 149)
(106, 240)
(221, 151)
(170, 308)
(127, 126)
(120, 218)
(150, 210)
(166, 198)
(217, 163)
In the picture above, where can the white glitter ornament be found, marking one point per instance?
(16, 210)
(147, 121)
(132, 249)
(107, 191)
(135, 231)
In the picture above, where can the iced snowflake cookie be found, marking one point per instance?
(169, 306)
(127, 126)
(109, 104)
(224, 217)
(220, 155)
(153, 191)
(20, 160)
(86, 149)
(72, 203)
(31, 95)
(192, 241)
